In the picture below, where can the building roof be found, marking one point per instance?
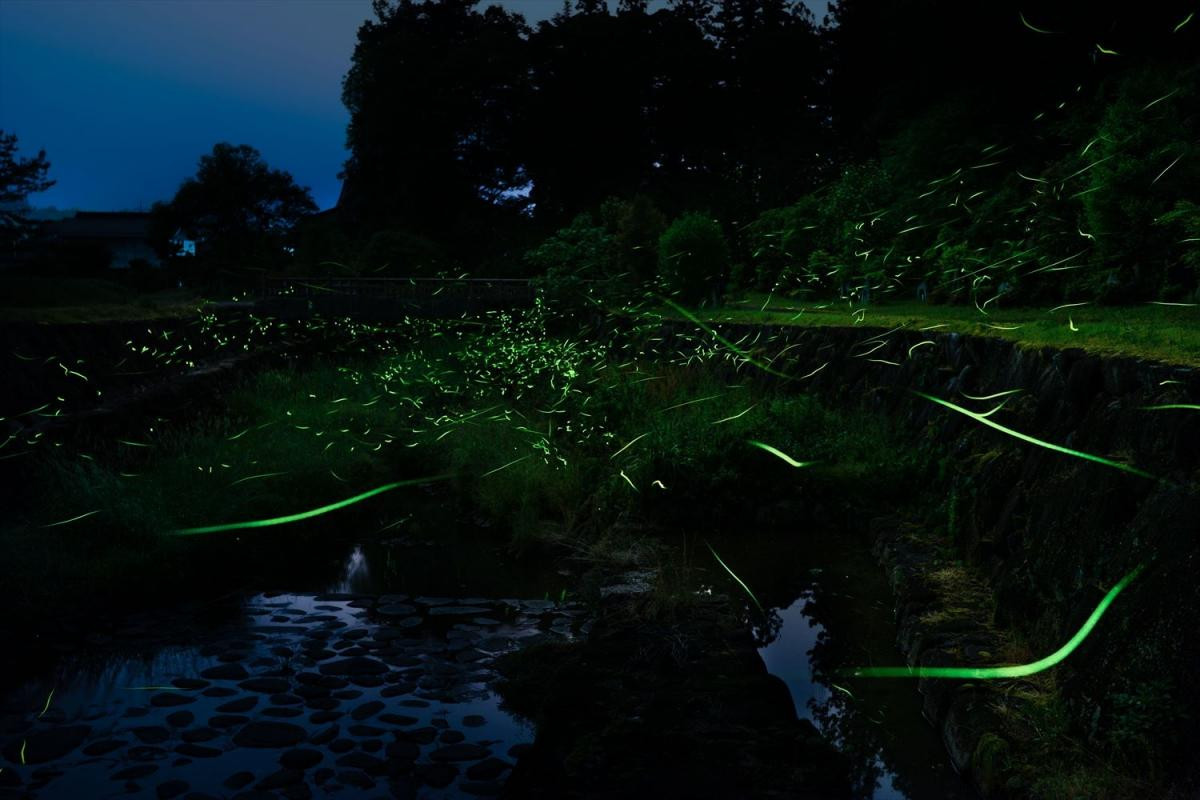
(104, 225)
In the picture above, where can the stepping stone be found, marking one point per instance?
(326, 735)
(227, 721)
(170, 699)
(473, 721)
(219, 691)
(451, 737)
(437, 775)
(238, 780)
(398, 719)
(341, 745)
(180, 719)
(365, 730)
(197, 751)
(403, 751)
(146, 752)
(355, 665)
(458, 611)
(199, 735)
(269, 734)
(364, 761)
(189, 683)
(238, 706)
(265, 685)
(103, 746)
(280, 780)
(151, 734)
(225, 672)
(356, 778)
(367, 710)
(481, 788)
(396, 610)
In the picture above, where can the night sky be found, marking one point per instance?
(126, 95)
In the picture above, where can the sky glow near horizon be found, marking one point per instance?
(126, 95)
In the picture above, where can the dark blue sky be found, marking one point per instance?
(126, 95)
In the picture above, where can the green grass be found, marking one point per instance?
(1170, 334)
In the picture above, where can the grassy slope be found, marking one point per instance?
(1170, 334)
(30, 298)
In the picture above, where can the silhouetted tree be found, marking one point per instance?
(19, 178)
(239, 210)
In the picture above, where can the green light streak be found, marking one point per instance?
(1189, 406)
(698, 322)
(264, 523)
(1013, 671)
(72, 519)
(1027, 438)
(780, 454)
(733, 575)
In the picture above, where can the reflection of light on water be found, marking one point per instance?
(355, 573)
(787, 657)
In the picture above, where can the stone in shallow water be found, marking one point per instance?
(47, 745)
(403, 751)
(189, 683)
(395, 610)
(219, 691)
(265, 685)
(451, 737)
(473, 720)
(283, 711)
(103, 746)
(365, 730)
(180, 719)
(397, 719)
(341, 745)
(226, 720)
(151, 734)
(203, 734)
(225, 672)
(238, 706)
(172, 788)
(169, 699)
(437, 775)
(280, 780)
(269, 734)
(197, 751)
(356, 778)
(481, 788)
(458, 611)
(325, 735)
(364, 761)
(367, 710)
(355, 665)
(146, 752)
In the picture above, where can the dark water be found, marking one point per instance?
(427, 615)
(828, 607)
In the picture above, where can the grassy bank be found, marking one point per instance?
(549, 439)
(1170, 334)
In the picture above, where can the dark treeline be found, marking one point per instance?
(474, 136)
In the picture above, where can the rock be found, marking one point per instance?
(340, 746)
(47, 745)
(463, 751)
(189, 683)
(366, 730)
(146, 752)
(451, 737)
(169, 789)
(458, 611)
(398, 719)
(170, 699)
(364, 761)
(180, 719)
(518, 750)
(225, 672)
(321, 717)
(355, 665)
(238, 780)
(103, 746)
(488, 769)
(367, 710)
(265, 685)
(301, 758)
(219, 691)
(280, 779)
(204, 734)
(285, 699)
(151, 734)
(238, 706)
(396, 610)
(473, 721)
(326, 735)
(269, 734)
(481, 788)
(403, 751)
(197, 751)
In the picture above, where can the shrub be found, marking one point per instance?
(693, 259)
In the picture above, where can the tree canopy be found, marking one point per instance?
(19, 178)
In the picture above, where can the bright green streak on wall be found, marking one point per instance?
(316, 512)
(1014, 671)
(1027, 438)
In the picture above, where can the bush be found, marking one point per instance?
(400, 253)
(693, 260)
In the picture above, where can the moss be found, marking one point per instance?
(989, 762)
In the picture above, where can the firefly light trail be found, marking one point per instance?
(316, 512)
(1013, 671)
